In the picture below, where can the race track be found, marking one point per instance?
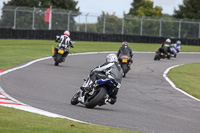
(146, 101)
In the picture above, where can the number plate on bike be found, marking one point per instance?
(124, 60)
(61, 51)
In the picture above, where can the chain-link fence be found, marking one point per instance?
(33, 18)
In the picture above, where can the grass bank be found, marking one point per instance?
(17, 121)
(187, 78)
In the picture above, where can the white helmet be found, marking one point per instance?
(111, 58)
(178, 42)
(168, 40)
(67, 33)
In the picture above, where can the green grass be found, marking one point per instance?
(187, 78)
(15, 52)
(17, 121)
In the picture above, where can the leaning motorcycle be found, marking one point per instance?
(124, 61)
(98, 95)
(173, 52)
(59, 57)
(162, 53)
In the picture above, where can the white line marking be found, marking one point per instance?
(173, 85)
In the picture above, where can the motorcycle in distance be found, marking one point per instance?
(124, 61)
(97, 96)
(162, 53)
(173, 51)
(60, 57)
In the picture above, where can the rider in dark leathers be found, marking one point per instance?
(110, 69)
(166, 46)
(65, 41)
(125, 50)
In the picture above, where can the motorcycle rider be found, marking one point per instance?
(177, 45)
(166, 46)
(110, 69)
(63, 40)
(125, 50)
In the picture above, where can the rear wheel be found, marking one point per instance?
(168, 56)
(124, 68)
(57, 59)
(157, 56)
(95, 100)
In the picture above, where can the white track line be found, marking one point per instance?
(173, 85)
(28, 108)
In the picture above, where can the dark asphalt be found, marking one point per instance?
(146, 101)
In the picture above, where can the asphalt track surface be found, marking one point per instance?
(146, 101)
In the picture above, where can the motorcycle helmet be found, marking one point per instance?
(67, 33)
(168, 40)
(111, 58)
(178, 42)
(125, 43)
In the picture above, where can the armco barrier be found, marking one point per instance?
(85, 36)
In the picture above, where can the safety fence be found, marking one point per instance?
(34, 19)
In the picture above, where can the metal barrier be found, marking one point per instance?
(33, 18)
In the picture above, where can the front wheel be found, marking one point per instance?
(95, 100)
(74, 99)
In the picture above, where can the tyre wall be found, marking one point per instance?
(85, 36)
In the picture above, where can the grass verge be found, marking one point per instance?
(17, 51)
(17, 121)
(187, 78)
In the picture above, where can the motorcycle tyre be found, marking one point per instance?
(57, 59)
(157, 56)
(74, 99)
(97, 99)
(168, 57)
(174, 55)
(124, 68)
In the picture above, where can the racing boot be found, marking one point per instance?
(113, 97)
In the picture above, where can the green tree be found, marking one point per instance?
(190, 10)
(145, 8)
(25, 15)
(57, 4)
(113, 24)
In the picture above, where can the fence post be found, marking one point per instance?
(104, 25)
(123, 25)
(160, 32)
(199, 30)
(68, 25)
(179, 33)
(86, 22)
(15, 17)
(50, 18)
(33, 22)
(141, 25)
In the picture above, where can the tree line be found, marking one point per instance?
(139, 8)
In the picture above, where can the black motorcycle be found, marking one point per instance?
(162, 53)
(98, 95)
(60, 56)
(124, 61)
